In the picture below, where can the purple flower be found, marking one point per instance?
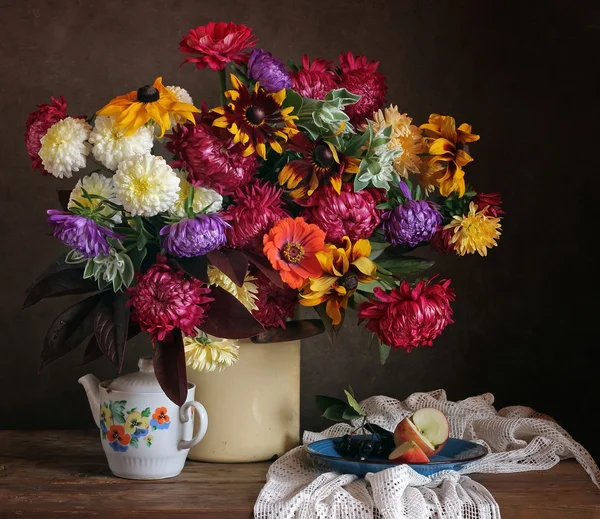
(268, 71)
(194, 236)
(80, 233)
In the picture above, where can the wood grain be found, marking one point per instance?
(57, 474)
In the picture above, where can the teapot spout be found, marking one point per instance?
(92, 388)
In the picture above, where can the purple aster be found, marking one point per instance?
(194, 236)
(412, 222)
(80, 233)
(268, 71)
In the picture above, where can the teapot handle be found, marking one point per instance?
(185, 415)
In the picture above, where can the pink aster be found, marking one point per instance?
(164, 299)
(275, 304)
(360, 77)
(409, 315)
(315, 79)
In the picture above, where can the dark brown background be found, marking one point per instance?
(521, 73)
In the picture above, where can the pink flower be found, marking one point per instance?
(216, 44)
(315, 79)
(38, 124)
(256, 207)
(210, 157)
(360, 77)
(164, 299)
(409, 316)
(347, 214)
(275, 304)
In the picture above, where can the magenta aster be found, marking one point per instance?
(275, 304)
(164, 299)
(315, 79)
(409, 316)
(256, 207)
(194, 236)
(348, 214)
(38, 124)
(210, 157)
(360, 77)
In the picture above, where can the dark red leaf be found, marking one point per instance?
(63, 198)
(195, 267)
(262, 264)
(92, 351)
(61, 283)
(231, 262)
(69, 330)
(111, 320)
(294, 330)
(227, 318)
(169, 367)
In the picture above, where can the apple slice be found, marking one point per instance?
(407, 431)
(408, 452)
(434, 426)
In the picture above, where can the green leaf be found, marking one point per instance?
(104, 435)
(404, 265)
(117, 408)
(359, 185)
(330, 329)
(350, 413)
(292, 98)
(384, 352)
(142, 241)
(335, 412)
(146, 412)
(353, 402)
(137, 257)
(134, 442)
(128, 270)
(325, 402)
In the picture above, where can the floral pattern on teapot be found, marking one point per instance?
(124, 429)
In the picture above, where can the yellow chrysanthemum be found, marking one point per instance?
(204, 354)
(148, 103)
(343, 269)
(474, 232)
(246, 294)
(405, 137)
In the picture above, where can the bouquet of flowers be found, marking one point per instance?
(204, 225)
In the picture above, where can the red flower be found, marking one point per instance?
(360, 77)
(315, 79)
(275, 304)
(38, 124)
(164, 299)
(256, 208)
(409, 316)
(116, 433)
(209, 156)
(347, 214)
(441, 241)
(160, 415)
(490, 200)
(216, 44)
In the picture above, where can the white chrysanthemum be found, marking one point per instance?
(65, 147)
(146, 185)
(111, 146)
(205, 200)
(246, 294)
(183, 96)
(205, 354)
(99, 185)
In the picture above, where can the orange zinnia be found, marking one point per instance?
(291, 246)
(343, 269)
(447, 146)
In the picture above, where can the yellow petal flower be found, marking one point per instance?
(205, 354)
(474, 232)
(246, 294)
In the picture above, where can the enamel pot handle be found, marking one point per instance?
(185, 415)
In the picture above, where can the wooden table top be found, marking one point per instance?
(51, 474)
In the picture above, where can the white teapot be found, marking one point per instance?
(143, 433)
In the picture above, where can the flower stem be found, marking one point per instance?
(223, 84)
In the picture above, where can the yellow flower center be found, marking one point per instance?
(293, 252)
(140, 187)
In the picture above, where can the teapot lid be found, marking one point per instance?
(144, 381)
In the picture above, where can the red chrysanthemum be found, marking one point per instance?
(315, 79)
(360, 77)
(348, 214)
(164, 299)
(38, 124)
(492, 201)
(441, 241)
(216, 44)
(256, 208)
(209, 156)
(275, 304)
(409, 316)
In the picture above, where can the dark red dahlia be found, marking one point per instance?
(409, 316)
(209, 156)
(360, 77)
(441, 241)
(38, 124)
(216, 44)
(348, 214)
(275, 304)
(492, 201)
(256, 207)
(315, 79)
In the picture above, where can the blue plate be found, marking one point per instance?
(455, 455)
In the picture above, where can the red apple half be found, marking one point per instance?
(434, 426)
(408, 452)
(407, 431)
